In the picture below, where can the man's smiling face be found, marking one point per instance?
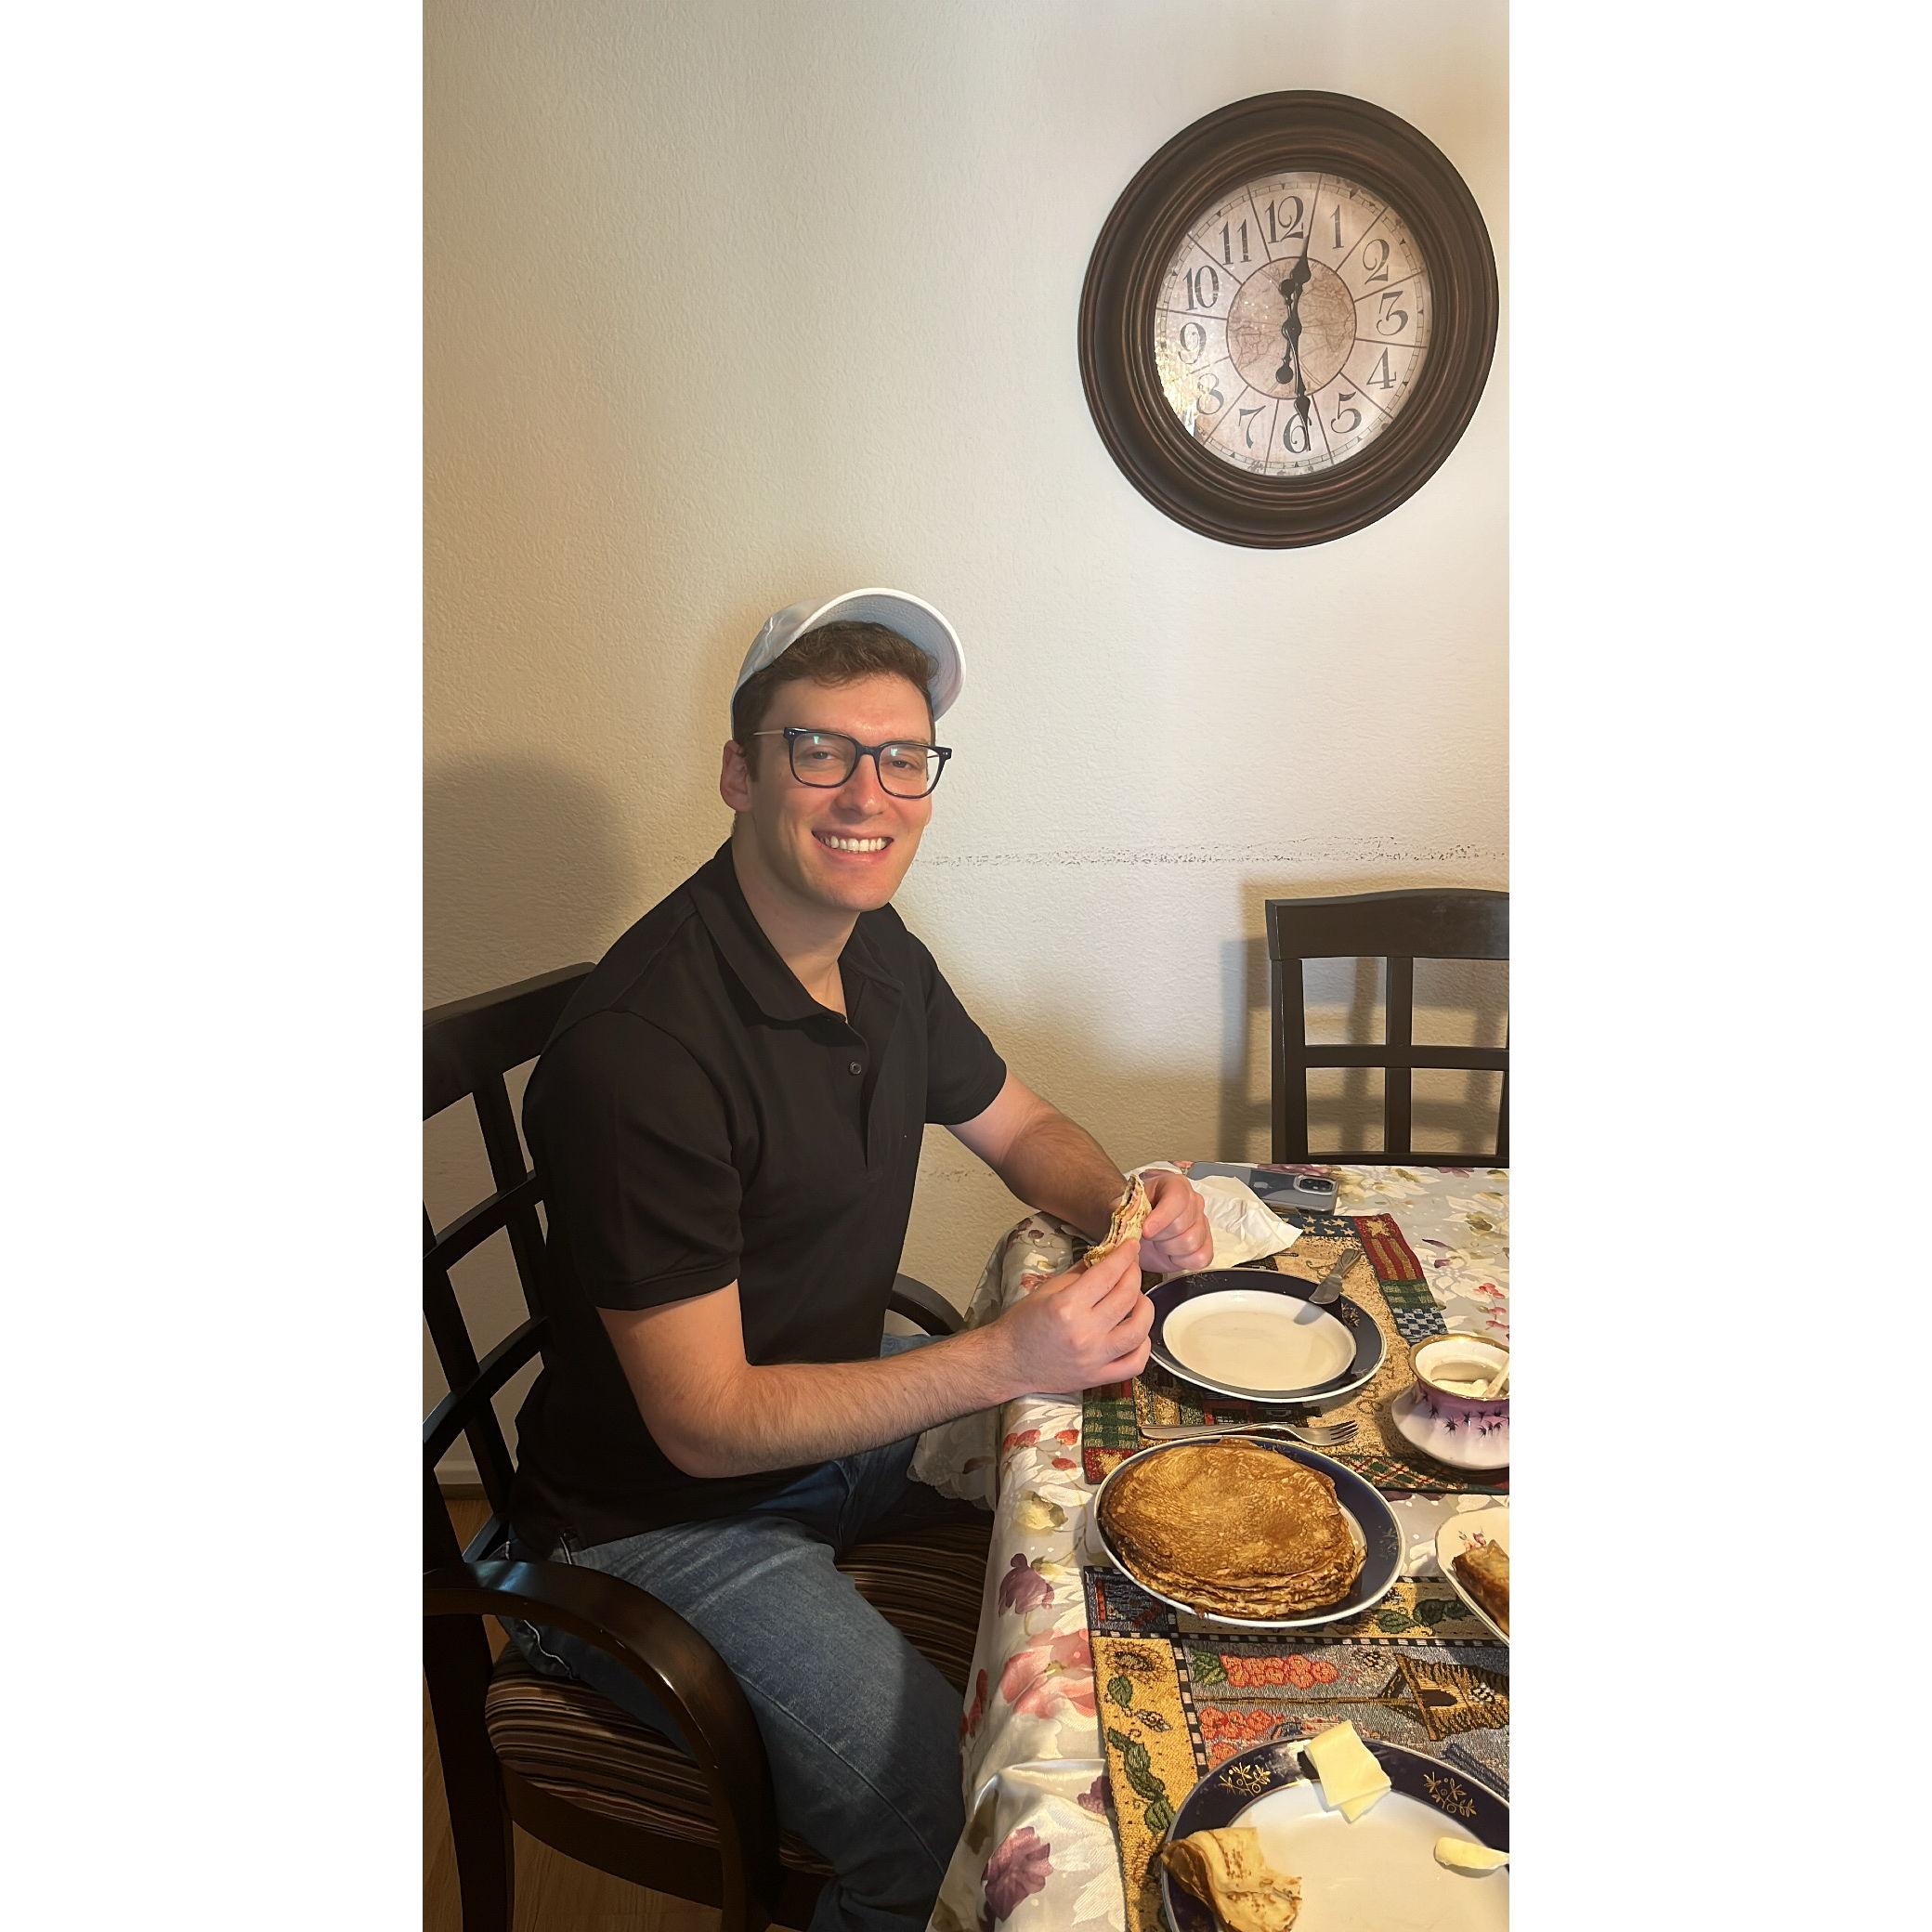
(828, 850)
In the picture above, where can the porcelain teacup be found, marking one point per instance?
(1443, 1412)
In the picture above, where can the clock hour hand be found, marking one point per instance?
(1291, 323)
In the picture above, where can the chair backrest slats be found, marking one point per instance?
(459, 1409)
(441, 1546)
(471, 1229)
(506, 1151)
(461, 1369)
(468, 1048)
(464, 1040)
(1455, 1059)
(1288, 1028)
(440, 1311)
(1449, 922)
(1399, 927)
(488, 1541)
(1400, 1003)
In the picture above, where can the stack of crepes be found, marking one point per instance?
(1226, 1872)
(1232, 1529)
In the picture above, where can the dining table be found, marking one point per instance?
(1093, 1709)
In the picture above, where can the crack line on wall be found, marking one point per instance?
(1295, 852)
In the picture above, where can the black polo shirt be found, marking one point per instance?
(699, 1119)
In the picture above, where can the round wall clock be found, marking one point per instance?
(1288, 319)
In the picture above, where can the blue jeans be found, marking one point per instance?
(861, 1731)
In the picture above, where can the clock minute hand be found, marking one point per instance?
(1291, 323)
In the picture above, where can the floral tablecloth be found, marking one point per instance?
(1039, 1851)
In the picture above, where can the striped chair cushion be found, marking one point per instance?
(580, 1747)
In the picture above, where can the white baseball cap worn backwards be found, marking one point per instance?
(912, 617)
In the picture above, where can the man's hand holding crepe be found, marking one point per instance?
(1082, 1329)
(1177, 1239)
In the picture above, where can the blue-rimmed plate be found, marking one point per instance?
(1371, 1522)
(1252, 1333)
(1380, 1871)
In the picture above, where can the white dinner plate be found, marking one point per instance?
(1378, 1874)
(1254, 1333)
(1258, 1340)
(1464, 1531)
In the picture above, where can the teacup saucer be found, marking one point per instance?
(1447, 1434)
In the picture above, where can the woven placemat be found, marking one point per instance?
(1387, 1283)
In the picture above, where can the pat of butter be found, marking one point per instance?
(1352, 1780)
(1465, 1855)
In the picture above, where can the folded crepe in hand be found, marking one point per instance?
(1484, 1573)
(1232, 1529)
(1226, 1872)
(1129, 1218)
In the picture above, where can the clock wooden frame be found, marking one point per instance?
(1300, 130)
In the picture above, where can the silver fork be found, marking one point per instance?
(1316, 1435)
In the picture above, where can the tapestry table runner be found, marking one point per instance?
(1177, 1697)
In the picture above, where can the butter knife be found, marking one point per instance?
(1328, 1288)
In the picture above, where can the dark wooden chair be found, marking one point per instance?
(1401, 928)
(554, 1755)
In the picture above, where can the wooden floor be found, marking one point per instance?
(554, 1893)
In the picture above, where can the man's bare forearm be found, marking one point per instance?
(775, 1416)
(1059, 1166)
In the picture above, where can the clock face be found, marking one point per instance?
(1291, 323)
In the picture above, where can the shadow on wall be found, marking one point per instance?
(523, 870)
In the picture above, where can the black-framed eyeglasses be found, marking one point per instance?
(907, 768)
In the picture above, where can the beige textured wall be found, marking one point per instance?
(729, 304)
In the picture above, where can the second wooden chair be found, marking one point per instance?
(1399, 927)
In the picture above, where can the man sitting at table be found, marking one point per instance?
(728, 1118)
